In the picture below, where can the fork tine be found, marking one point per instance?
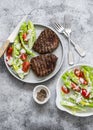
(56, 27)
(60, 26)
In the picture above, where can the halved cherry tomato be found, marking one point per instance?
(83, 81)
(85, 93)
(81, 74)
(65, 89)
(24, 36)
(26, 66)
(23, 56)
(9, 51)
(78, 73)
(75, 87)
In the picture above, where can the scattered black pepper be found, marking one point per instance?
(41, 95)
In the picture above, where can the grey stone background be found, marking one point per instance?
(18, 111)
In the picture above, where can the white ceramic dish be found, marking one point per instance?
(37, 89)
(89, 112)
(31, 77)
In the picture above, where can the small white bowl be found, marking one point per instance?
(37, 89)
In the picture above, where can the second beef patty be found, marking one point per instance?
(44, 64)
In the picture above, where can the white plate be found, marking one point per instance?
(31, 77)
(89, 111)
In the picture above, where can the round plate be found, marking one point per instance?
(89, 111)
(31, 77)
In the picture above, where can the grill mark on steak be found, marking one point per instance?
(44, 64)
(47, 42)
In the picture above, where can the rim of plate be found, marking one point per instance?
(57, 92)
(45, 79)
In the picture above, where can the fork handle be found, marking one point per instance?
(80, 50)
(4, 47)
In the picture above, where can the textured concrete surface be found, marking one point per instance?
(18, 111)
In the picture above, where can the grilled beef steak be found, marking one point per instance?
(44, 64)
(47, 42)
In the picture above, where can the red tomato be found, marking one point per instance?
(85, 82)
(85, 93)
(26, 66)
(23, 56)
(65, 89)
(78, 73)
(81, 74)
(8, 57)
(9, 51)
(75, 87)
(24, 36)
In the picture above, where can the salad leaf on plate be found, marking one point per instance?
(20, 53)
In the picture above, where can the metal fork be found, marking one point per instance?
(59, 28)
